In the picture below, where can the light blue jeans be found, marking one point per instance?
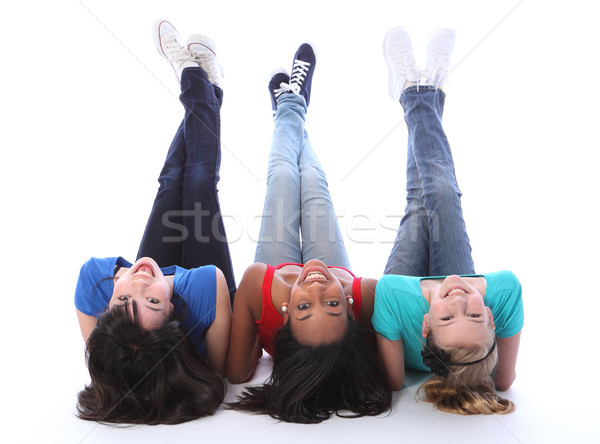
(432, 238)
(298, 221)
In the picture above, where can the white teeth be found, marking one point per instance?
(456, 290)
(314, 275)
(144, 272)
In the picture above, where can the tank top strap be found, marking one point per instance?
(357, 296)
(267, 302)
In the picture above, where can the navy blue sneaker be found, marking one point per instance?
(278, 85)
(302, 71)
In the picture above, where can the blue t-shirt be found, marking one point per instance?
(197, 287)
(400, 306)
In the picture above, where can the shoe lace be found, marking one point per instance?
(298, 75)
(208, 63)
(178, 53)
(404, 61)
(437, 71)
(283, 87)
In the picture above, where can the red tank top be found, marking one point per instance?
(271, 320)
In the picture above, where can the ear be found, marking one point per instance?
(491, 318)
(286, 313)
(426, 328)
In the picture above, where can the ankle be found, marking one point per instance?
(189, 64)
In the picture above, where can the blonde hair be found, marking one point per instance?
(468, 389)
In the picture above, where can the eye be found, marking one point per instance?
(333, 303)
(123, 298)
(474, 315)
(303, 306)
(446, 318)
(153, 300)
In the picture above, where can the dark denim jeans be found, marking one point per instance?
(185, 226)
(432, 238)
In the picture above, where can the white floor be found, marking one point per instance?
(88, 110)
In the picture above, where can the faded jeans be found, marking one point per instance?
(432, 238)
(298, 221)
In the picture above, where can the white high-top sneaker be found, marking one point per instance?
(398, 52)
(204, 51)
(439, 51)
(169, 44)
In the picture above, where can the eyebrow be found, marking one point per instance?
(471, 320)
(147, 306)
(309, 315)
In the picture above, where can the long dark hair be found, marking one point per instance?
(145, 376)
(309, 383)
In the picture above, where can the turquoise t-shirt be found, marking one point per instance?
(197, 287)
(400, 306)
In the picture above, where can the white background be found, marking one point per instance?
(88, 110)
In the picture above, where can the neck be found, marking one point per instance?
(169, 279)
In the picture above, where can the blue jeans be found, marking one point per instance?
(298, 221)
(185, 226)
(432, 238)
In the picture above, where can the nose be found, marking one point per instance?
(139, 285)
(316, 289)
(459, 299)
(316, 286)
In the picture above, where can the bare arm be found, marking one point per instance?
(392, 358)
(217, 335)
(86, 324)
(244, 346)
(508, 349)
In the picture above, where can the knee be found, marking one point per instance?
(442, 186)
(314, 177)
(282, 174)
(171, 178)
(201, 180)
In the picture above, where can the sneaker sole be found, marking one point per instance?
(440, 33)
(433, 38)
(156, 35)
(197, 39)
(391, 80)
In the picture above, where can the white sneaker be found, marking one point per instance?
(439, 50)
(400, 59)
(204, 52)
(169, 44)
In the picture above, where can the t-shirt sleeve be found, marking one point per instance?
(198, 289)
(93, 290)
(505, 299)
(398, 314)
(387, 312)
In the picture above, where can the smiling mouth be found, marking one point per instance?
(144, 269)
(455, 290)
(314, 274)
